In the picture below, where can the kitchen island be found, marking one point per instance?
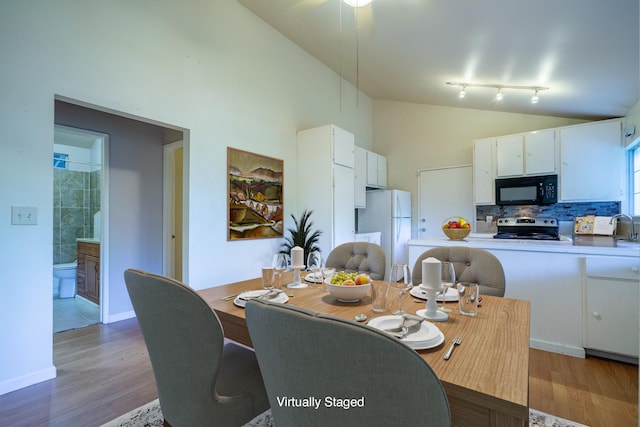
(553, 276)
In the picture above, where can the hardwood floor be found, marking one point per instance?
(104, 372)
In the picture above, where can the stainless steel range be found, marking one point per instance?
(542, 228)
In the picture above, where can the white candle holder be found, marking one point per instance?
(431, 312)
(297, 280)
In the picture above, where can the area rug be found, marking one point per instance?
(150, 415)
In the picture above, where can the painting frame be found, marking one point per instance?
(255, 196)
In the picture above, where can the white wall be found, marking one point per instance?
(210, 67)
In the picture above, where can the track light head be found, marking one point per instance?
(535, 98)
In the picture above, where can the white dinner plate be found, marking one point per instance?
(314, 277)
(282, 297)
(429, 335)
(418, 292)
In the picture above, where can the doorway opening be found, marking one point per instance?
(133, 174)
(78, 185)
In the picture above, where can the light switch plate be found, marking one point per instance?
(24, 215)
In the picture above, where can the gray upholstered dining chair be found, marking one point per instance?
(360, 257)
(201, 380)
(304, 354)
(470, 264)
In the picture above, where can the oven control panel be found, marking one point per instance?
(527, 222)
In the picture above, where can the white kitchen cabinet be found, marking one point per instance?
(483, 172)
(509, 159)
(531, 153)
(611, 305)
(360, 178)
(376, 170)
(591, 162)
(540, 152)
(325, 180)
(371, 237)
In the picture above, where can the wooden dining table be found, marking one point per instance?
(487, 377)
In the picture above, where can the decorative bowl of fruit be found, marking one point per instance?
(456, 228)
(348, 287)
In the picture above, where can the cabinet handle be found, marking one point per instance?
(596, 315)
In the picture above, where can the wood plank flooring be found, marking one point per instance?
(104, 372)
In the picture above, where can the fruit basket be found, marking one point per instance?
(456, 228)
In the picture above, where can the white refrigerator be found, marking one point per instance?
(389, 212)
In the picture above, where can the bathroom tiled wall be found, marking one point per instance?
(76, 197)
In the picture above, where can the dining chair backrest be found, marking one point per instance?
(360, 257)
(470, 264)
(200, 380)
(303, 354)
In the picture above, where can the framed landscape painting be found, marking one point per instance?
(254, 195)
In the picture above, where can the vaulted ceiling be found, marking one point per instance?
(586, 51)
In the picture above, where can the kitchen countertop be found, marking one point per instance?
(87, 240)
(565, 245)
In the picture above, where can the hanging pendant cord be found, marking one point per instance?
(357, 57)
(340, 51)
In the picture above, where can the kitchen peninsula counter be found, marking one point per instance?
(565, 245)
(550, 274)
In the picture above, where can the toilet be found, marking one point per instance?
(64, 279)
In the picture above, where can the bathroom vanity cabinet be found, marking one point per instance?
(88, 274)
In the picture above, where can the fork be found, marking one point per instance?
(456, 341)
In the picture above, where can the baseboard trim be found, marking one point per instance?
(17, 383)
(120, 316)
(557, 348)
(619, 357)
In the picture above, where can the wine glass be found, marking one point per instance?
(315, 263)
(448, 280)
(400, 280)
(280, 264)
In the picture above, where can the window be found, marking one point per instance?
(60, 160)
(635, 181)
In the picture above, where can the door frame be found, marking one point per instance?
(104, 217)
(169, 203)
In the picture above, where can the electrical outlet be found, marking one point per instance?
(24, 215)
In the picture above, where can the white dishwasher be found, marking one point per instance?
(611, 292)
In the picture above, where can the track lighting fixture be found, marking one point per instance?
(499, 95)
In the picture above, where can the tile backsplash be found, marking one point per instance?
(565, 213)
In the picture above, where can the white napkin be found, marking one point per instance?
(431, 273)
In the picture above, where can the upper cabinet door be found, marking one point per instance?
(343, 147)
(509, 155)
(592, 162)
(360, 178)
(382, 171)
(376, 170)
(540, 152)
(483, 176)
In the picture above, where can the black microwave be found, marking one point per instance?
(527, 190)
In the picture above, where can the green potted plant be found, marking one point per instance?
(302, 235)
